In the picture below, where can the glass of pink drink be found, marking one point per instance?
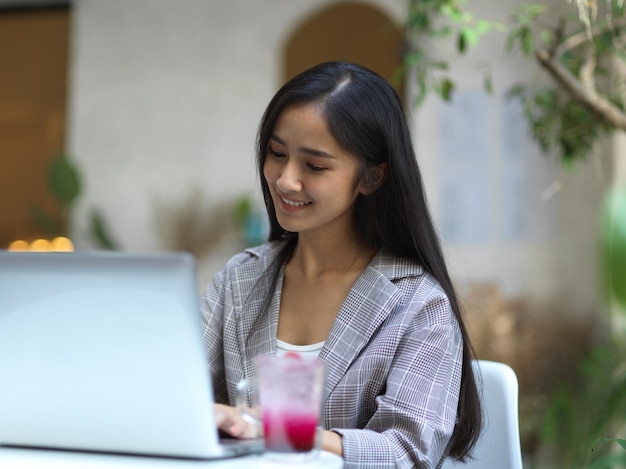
(290, 391)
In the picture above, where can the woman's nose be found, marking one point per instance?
(289, 179)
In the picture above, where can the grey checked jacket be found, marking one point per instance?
(393, 354)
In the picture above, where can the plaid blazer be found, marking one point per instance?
(393, 355)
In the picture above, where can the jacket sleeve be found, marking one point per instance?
(217, 323)
(212, 314)
(415, 414)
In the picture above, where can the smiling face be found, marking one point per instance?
(312, 180)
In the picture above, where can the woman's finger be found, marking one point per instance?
(229, 420)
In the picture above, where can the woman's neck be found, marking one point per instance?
(316, 257)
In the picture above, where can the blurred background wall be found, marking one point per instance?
(164, 101)
(159, 102)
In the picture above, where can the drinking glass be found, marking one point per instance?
(290, 389)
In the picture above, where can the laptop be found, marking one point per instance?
(103, 352)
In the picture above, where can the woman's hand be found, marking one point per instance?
(332, 442)
(229, 420)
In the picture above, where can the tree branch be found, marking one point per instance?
(587, 69)
(589, 97)
(582, 37)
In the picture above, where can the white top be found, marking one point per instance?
(308, 351)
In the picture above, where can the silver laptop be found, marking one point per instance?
(103, 352)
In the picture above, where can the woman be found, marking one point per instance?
(353, 272)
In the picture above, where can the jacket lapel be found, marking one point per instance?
(369, 302)
(256, 322)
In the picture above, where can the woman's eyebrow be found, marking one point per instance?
(306, 150)
(314, 152)
(277, 139)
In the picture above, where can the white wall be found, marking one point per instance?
(166, 97)
(539, 220)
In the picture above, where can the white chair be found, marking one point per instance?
(498, 446)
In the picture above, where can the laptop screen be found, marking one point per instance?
(102, 351)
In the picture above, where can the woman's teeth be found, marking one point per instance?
(293, 203)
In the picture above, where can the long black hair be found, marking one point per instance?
(366, 118)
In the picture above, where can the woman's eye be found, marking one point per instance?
(276, 154)
(314, 168)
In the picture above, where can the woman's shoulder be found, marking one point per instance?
(260, 255)
(416, 285)
(395, 267)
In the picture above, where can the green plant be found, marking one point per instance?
(65, 185)
(585, 412)
(609, 460)
(593, 404)
(442, 20)
(613, 238)
(582, 47)
(251, 221)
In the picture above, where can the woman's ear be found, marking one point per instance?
(373, 179)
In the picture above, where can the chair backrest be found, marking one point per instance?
(498, 446)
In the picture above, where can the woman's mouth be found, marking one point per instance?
(293, 203)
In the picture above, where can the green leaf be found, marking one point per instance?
(461, 43)
(399, 75)
(422, 87)
(439, 65)
(498, 26)
(510, 41)
(613, 237)
(535, 9)
(421, 95)
(546, 36)
(441, 33)
(452, 11)
(417, 18)
(243, 208)
(488, 84)
(619, 441)
(482, 27)
(527, 41)
(529, 12)
(100, 232)
(63, 180)
(446, 87)
(413, 58)
(516, 91)
(471, 36)
(44, 221)
(545, 99)
(608, 461)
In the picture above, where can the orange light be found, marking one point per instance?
(59, 244)
(40, 245)
(19, 245)
(62, 243)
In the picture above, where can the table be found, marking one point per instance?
(17, 458)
